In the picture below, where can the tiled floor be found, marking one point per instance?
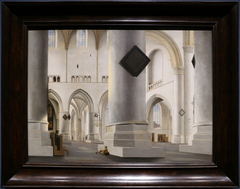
(85, 153)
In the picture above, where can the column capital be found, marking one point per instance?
(188, 48)
(178, 71)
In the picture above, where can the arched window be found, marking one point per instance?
(51, 38)
(81, 38)
(157, 115)
(58, 79)
(73, 79)
(81, 79)
(89, 79)
(103, 79)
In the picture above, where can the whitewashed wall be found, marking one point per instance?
(57, 58)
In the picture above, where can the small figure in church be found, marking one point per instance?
(65, 149)
(103, 152)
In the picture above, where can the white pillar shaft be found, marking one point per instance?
(200, 141)
(37, 75)
(127, 134)
(39, 143)
(126, 93)
(63, 123)
(93, 122)
(80, 130)
(188, 88)
(203, 77)
(178, 120)
(93, 135)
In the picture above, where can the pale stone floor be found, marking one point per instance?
(85, 153)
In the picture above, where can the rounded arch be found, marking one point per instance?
(169, 43)
(86, 97)
(54, 95)
(156, 98)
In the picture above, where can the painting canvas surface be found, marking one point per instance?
(85, 108)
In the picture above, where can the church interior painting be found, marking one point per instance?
(85, 107)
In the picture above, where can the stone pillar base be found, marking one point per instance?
(35, 148)
(200, 142)
(177, 139)
(93, 138)
(39, 142)
(66, 138)
(130, 140)
(183, 139)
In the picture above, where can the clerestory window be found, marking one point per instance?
(81, 38)
(51, 38)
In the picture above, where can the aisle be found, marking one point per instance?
(85, 153)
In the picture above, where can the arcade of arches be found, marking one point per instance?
(92, 99)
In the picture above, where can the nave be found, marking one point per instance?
(85, 154)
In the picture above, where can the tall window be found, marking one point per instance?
(80, 38)
(51, 38)
(157, 115)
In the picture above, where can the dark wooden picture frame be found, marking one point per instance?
(220, 17)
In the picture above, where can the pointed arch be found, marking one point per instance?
(169, 43)
(156, 98)
(86, 97)
(54, 95)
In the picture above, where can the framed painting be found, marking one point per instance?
(21, 20)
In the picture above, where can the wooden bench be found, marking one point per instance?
(57, 152)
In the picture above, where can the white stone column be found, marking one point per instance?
(64, 126)
(202, 128)
(188, 89)
(127, 134)
(85, 123)
(79, 137)
(178, 120)
(93, 135)
(39, 142)
(100, 130)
